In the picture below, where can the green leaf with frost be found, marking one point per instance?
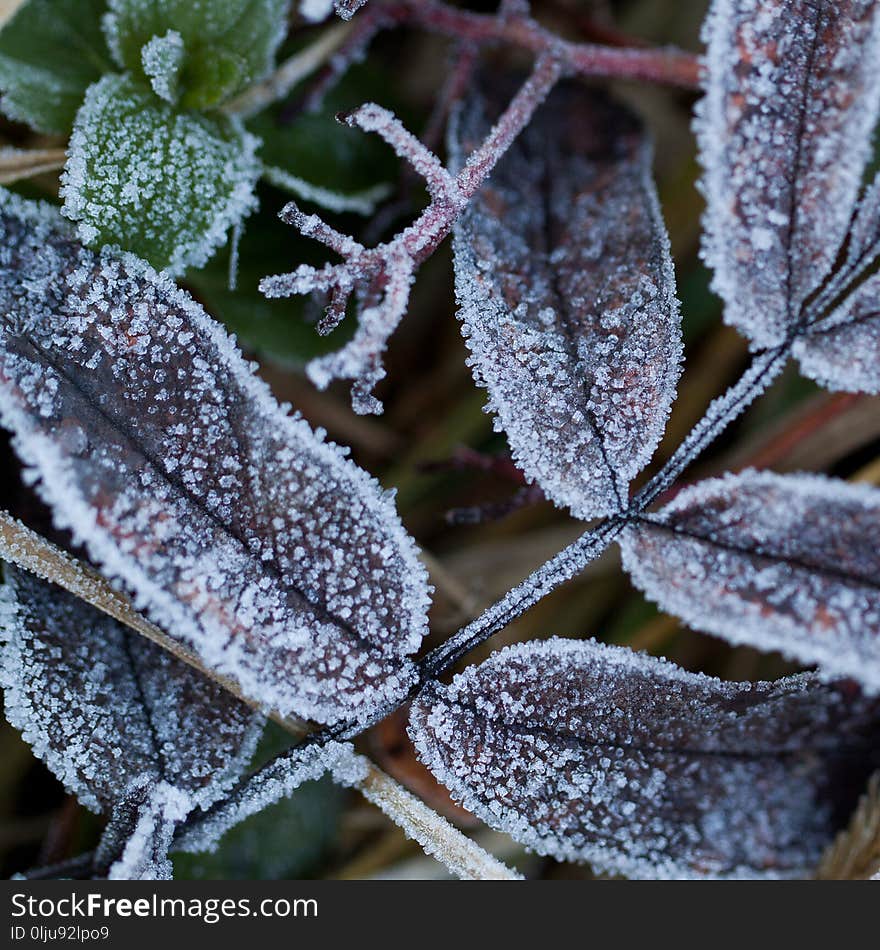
(165, 184)
(51, 51)
(226, 44)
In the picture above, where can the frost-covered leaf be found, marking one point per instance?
(594, 753)
(104, 708)
(779, 562)
(792, 97)
(279, 561)
(863, 247)
(50, 53)
(842, 351)
(225, 45)
(566, 292)
(163, 184)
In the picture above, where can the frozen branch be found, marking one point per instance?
(512, 26)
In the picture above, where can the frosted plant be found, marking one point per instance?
(590, 752)
(785, 562)
(239, 528)
(112, 714)
(566, 293)
(275, 574)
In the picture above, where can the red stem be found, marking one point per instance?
(668, 66)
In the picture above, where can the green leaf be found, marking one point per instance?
(51, 51)
(165, 184)
(277, 329)
(228, 44)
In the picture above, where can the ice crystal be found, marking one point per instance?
(594, 753)
(240, 531)
(566, 293)
(792, 97)
(778, 562)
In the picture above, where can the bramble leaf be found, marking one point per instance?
(842, 351)
(165, 185)
(792, 98)
(105, 708)
(594, 753)
(778, 562)
(224, 45)
(51, 51)
(281, 563)
(566, 292)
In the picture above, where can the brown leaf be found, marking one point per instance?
(778, 562)
(105, 708)
(594, 753)
(792, 97)
(281, 563)
(567, 296)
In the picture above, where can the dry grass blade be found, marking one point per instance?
(17, 164)
(854, 855)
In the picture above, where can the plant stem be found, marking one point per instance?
(667, 66)
(289, 73)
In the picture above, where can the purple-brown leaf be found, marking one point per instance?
(567, 296)
(842, 351)
(594, 753)
(280, 562)
(105, 708)
(792, 98)
(778, 562)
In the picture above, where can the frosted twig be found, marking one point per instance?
(668, 65)
(289, 73)
(764, 368)
(382, 275)
(464, 857)
(357, 202)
